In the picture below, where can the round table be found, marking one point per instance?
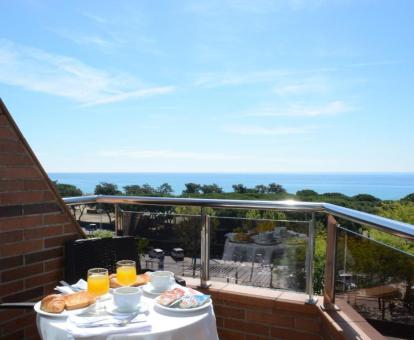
(166, 325)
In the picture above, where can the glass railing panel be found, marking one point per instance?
(375, 275)
(166, 241)
(261, 252)
(96, 220)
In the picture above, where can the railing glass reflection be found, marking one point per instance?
(260, 252)
(375, 275)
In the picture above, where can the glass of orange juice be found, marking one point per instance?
(98, 285)
(126, 272)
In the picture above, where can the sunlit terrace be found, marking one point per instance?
(289, 270)
(329, 260)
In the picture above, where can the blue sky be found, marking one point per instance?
(212, 86)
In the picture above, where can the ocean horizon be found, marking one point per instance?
(386, 186)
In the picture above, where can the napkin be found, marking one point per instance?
(138, 324)
(80, 285)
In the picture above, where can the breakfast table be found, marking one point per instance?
(157, 324)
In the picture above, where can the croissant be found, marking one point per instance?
(141, 280)
(53, 303)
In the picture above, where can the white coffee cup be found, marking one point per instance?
(127, 299)
(161, 280)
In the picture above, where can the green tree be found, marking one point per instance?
(403, 212)
(191, 188)
(105, 188)
(67, 190)
(261, 189)
(165, 189)
(239, 188)
(262, 220)
(307, 195)
(138, 190)
(132, 190)
(408, 198)
(148, 190)
(211, 189)
(319, 261)
(366, 198)
(276, 188)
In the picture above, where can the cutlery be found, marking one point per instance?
(117, 323)
(120, 323)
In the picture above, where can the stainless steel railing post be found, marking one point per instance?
(309, 261)
(205, 249)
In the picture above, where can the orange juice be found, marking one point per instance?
(98, 284)
(126, 275)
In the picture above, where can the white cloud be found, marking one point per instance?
(213, 79)
(216, 79)
(286, 79)
(160, 154)
(87, 40)
(267, 131)
(252, 7)
(95, 18)
(313, 85)
(133, 94)
(265, 6)
(331, 108)
(40, 71)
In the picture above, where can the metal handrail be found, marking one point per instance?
(396, 228)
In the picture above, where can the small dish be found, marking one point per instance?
(149, 289)
(183, 310)
(113, 310)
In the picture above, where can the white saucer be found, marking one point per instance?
(149, 289)
(183, 310)
(113, 310)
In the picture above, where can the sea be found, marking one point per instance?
(386, 186)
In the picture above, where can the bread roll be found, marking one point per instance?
(53, 303)
(142, 279)
(78, 300)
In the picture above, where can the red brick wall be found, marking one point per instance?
(34, 224)
(249, 317)
(248, 313)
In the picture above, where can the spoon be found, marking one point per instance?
(118, 323)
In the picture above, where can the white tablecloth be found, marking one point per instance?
(200, 325)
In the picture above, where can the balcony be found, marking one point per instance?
(310, 270)
(269, 283)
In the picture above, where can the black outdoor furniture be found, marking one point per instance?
(84, 254)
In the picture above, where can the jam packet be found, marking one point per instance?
(193, 301)
(170, 297)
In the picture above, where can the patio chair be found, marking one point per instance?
(84, 254)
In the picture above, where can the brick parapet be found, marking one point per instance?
(260, 313)
(34, 225)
